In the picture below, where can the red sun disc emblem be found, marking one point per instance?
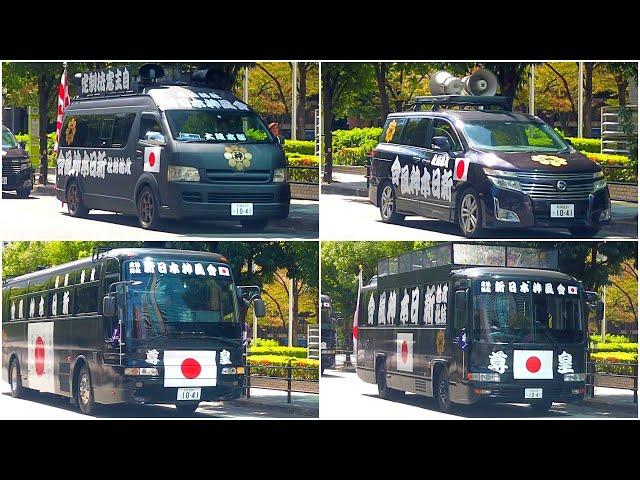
(152, 159)
(460, 170)
(405, 351)
(191, 368)
(39, 356)
(533, 364)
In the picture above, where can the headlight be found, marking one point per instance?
(574, 377)
(500, 173)
(497, 177)
(182, 174)
(483, 377)
(25, 165)
(280, 175)
(151, 371)
(599, 184)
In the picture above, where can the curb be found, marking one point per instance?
(341, 189)
(633, 408)
(301, 410)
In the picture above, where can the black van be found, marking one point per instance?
(161, 150)
(17, 171)
(484, 167)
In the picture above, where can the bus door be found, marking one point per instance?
(461, 332)
(112, 346)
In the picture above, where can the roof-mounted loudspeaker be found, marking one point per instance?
(443, 83)
(149, 72)
(212, 78)
(481, 83)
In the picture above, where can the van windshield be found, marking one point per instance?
(214, 126)
(504, 136)
(8, 140)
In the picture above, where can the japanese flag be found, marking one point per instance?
(536, 364)
(190, 368)
(572, 290)
(460, 170)
(404, 353)
(40, 360)
(152, 159)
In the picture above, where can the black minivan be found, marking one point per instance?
(170, 151)
(17, 171)
(483, 167)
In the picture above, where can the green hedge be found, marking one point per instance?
(303, 174)
(276, 360)
(296, 352)
(266, 342)
(302, 147)
(604, 359)
(616, 347)
(591, 145)
(609, 338)
(351, 156)
(356, 137)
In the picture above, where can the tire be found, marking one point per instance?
(84, 391)
(187, 409)
(384, 391)
(387, 204)
(469, 214)
(584, 232)
(23, 192)
(15, 381)
(148, 209)
(542, 406)
(75, 206)
(442, 393)
(255, 224)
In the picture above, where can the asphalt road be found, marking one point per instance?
(354, 218)
(345, 396)
(31, 218)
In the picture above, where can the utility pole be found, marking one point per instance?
(291, 312)
(294, 100)
(532, 89)
(580, 98)
(245, 86)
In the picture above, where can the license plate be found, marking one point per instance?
(242, 209)
(562, 210)
(189, 394)
(532, 393)
(4, 180)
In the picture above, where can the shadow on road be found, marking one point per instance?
(14, 196)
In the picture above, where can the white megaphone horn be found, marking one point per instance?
(482, 83)
(443, 83)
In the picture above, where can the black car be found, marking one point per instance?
(17, 172)
(483, 167)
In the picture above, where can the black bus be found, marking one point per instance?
(128, 325)
(466, 323)
(327, 334)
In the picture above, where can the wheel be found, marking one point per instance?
(541, 406)
(74, 201)
(187, 409)
(15, 379)
(469, 213)
(584, 232)
(84, 391)
(148, 211)
(443, 399)
(23, 192)
(384, 391)
(255, 223)
(387, 205)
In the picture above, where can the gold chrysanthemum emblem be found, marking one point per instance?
(391, 130)
(440, 342)
(70, 132)
(238, 157)
(549, 160)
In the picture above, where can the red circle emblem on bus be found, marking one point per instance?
(152, 159)
(460, 170)
(533, 364)
(191, 368)
(39, 356)
(405, 352)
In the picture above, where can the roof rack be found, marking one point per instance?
(438, 101)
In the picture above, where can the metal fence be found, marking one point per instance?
(287, 383)
(612, 380)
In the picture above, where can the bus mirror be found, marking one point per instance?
(259, 307)
(155, 138)
(109, 306)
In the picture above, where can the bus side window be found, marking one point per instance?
(460, 320)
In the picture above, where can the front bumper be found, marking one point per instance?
(206, 200)
(537, 213)
(17, 178)
(562, 392)
(141, 389)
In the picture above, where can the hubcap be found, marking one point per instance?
(146, 207)
(387, 202)
(469, 213)
(73, 199)
(443, 392)
(84, 389)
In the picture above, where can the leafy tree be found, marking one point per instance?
(622, 296)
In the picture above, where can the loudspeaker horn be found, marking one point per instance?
(483, 83)
(443, 83)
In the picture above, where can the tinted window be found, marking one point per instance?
(97, 131)
(149, 125)
(392, 130)
(442, 128)
(106, 131)
(86, 298)
(415, 132)
(122, 129)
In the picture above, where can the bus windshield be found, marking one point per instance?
(504, 136)
(217, 127)
(185, 300)
(531, 317)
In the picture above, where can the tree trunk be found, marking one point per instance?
(295, 301)
(302, 99)
(588, 98)
(622, 90)
(381, 79)
(43, 104)
(327, 116)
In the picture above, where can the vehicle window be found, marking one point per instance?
(213, 126)
(392, 131)
(106, 131)
(122, 129)
(442, 128)
(415, 132)
(86, 298)
(8, 140)
(149, 125)
(525, 136)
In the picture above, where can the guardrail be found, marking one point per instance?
(287, 384)
(612, 380)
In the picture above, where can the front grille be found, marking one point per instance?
(10, 168)
(193, 197)
(543, 186)
(240, 197)
(227, 176)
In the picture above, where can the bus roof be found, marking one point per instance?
(544, 275)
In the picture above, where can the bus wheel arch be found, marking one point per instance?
(83, 387)
(73, 196)
(16, 387)
(77, 366)
(441, 387)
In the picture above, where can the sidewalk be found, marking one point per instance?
(302, 404)
(613, 397)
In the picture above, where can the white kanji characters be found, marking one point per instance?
(54, 305)
(443, 314)
(371, 309)
(60, 163)
(227, 104)
(102, 82)
(211, 103)
(187, 269)
(125, 79)
(499, 288)
(425, 183)
(117, 85)
(537, 287)
(32, 308)
(395, 171)
(548, 289)
(68, 162)
(127, 167)
(415, 305)
(13, 310)
(404, 308)
(85, 83)
(162, 267)
(66, 280)
(174, 268)
(109, 81)
(382, 308)
(225, 357)
(110, 165)
(404, 179)
(65, 303)
(57, 281)
(446, 184)
(439, 294)
(415, 180)
(84, 168)
(565, 363)
(134, 267)
(513, 287)
(435, 183)
(485, 287)
(93, 164)
(82, 276)
(197, 103)
(41, 307)
(77, 161)
(429, 303)
(241, 137)
(211, 270)
(391, 308)
(498, 361)
(219, 136)
(92, 82)
(199, 269)
(21, 308)
(560, 289)
(240, 105)
(445, 292)
(149, 266)
(92, 278)
(524, 287)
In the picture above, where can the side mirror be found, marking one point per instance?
(567, 141)
(259, 308)
(441, 143)
(109, 306)
(155, 137)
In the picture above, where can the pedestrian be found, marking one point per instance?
(274, 128)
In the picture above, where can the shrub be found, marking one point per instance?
(294, 352)
(302, 147)
(616, 347)
(266, 342)
(303, 174)
(351, 156)
(276, 360)
(609, 338)
(615, 174)
(591, 145)
(604, 359)
(356, 137)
